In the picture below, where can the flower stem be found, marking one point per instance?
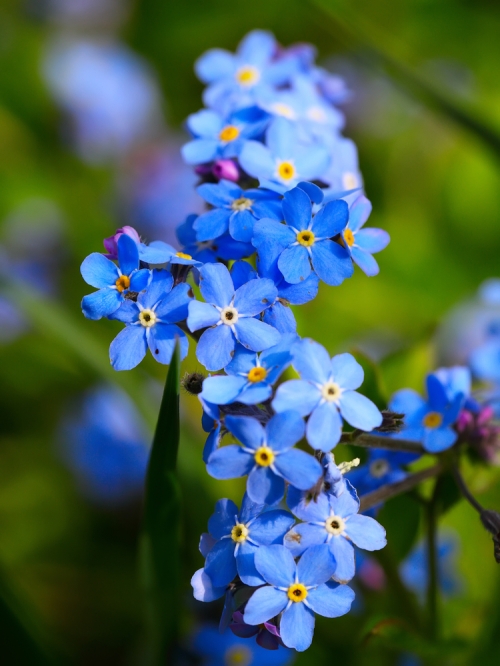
(432, 560)
(371, 441)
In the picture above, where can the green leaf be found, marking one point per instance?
(401, 518)
(160, 540)
(448, 493)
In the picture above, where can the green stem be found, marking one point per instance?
(432, 561)
(371, 441)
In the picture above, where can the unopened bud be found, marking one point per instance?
(192, 382)
(391, 421)
(491, 521)
(111, 243)
(226, 169)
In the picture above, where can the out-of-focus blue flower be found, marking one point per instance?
(113, 282)
(362, 243)
(224, 247)
(109, 93)
(335, 521)
(267, 456)
(235, 210)
(298, 590)
(485, 361)
(343, 175)
(229, 316)
(151, 322)
(428, 421)
(216, 649)
(250, 376)
(303, 245)
(217, 136)
(105, 445)
(267, 634)
(210, 422)
(326, 392)
(12, 321)
(237, 536)
(382, 467)
(283, 161)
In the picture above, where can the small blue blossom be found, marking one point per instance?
(326, 392)
(150, 322)
(238, 535)
(485, 361)
(335, 521)
(362, 243)
(303, 245)
(113, 282)
(298, 591)
(211, 423)
(250, 376)
(224, 247)
(343, 175)
(283, 162)
(266, 456)
(235, 210)
(229, 316)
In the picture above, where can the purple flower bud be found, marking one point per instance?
(111, 243)
(226, 169)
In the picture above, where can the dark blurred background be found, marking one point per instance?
(93, 94)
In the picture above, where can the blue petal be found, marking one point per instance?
(220, 194)
(128, 254)
(256, 160)
(303, 536)
(140, 280)
(359, 213)
(99, 271)
(174, 307)
(157, 252)
(271, 238)
(216, 285)
(247, 430)
(347, 372)
(255, 296)
(281, 318)
(257, 48)
(215, 64)
(207, 542)
(297, 209)
(162, 341)
(249, 509)
(215, 347)
(255, 394)
(242, 272)
(343, 551)
(222, 390)
(372, 240)
(365, 532)
(212, 444)
(245, 563)
(255, 334)
(101, 303)
(437, 398)
(330, 600)
(314, 192)
(281, 138)
(241, 226)
(406, 401)
(316, 566)
(294, 263)
(212, 224)
(299, 468)
(296, 394)
(358, 411)
(312, 361)
(229, 462)
(284, 430)
(331, 262)
(201, 315)
(264, 604)
(305, 508)
(276, 565)
(265, 486)
(160, 286)
(324, 427)
(312, 162)
(270, 527)
(127, 313)
(200, 151)
(331, 219)
(344, 505)
(128, 348)
(439, 439)
(303, 292)
(203, 588)
(243, 361)
(365, 261)
(205, 123)
(220, 565)
(221, 522)
(297, 627)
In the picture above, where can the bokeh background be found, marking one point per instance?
(93, 94)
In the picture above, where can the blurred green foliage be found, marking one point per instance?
(435, 186)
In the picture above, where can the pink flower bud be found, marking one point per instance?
(226, 169)
(111, 243)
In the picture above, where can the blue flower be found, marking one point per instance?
(326, 392)
(298, 591)
(150, 322)
(485, 361)
(229, 316)
(343, 175)
(224, 247)
(306, 240)
(238, 535)
(428, 421)
(283, 161)
(335, 521)
(267, 456)
(113, 282)
(250, 377)
(362, 243)
(211, 423)
(216, 649)
(219, 137)
(234, 209)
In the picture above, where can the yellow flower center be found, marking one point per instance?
(316, 114)
(330, 391)
(335, 525)
(286, 170)
(229, 316)
(264, 456)
(242, 204)
(147, 318)
(239, 533)
(248, 76)
(122, 283)
(229, 133)
(181, 255)
(379, 468)
(238, 655)
(305, 238)
(349, 180)
(432, 420)
(349, 237)
(257, 374)
(284, 110)
(297, 592)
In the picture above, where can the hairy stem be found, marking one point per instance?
(372, 441)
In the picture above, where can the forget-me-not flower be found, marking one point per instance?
(224, 247)
(362, 243)
(267, 456)
(326, 392)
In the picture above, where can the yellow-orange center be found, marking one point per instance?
(257, 374)
(229, 133)
(264, 456)
(432, 420)
(181, 255)
(297, 592)
(248, 75)
(238, 655)
(122, 283)
(305, 238)
(286, 170)
(349, 237)
(239, 533)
